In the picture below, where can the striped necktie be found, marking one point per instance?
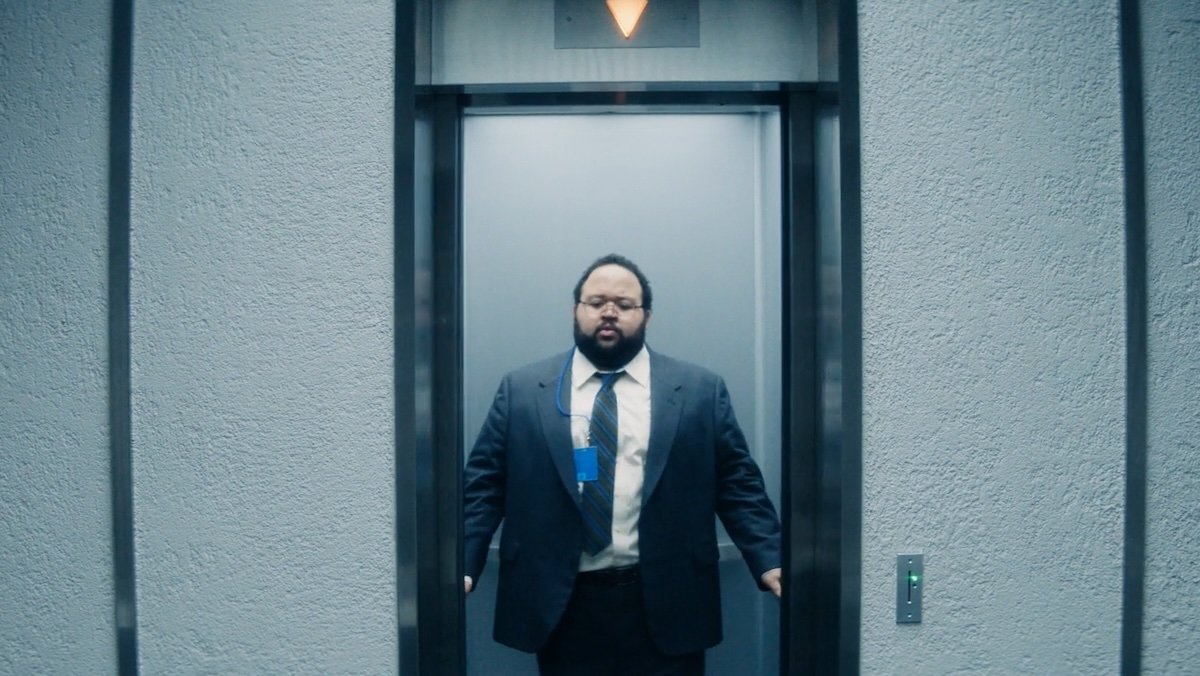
(598, 494)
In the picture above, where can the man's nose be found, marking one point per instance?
(609, 310)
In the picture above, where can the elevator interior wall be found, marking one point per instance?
(694, 199)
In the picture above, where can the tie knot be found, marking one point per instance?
(607, 379)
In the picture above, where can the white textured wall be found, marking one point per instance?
(505, 41)
(56, 590)
(1171, 48)
(993, 324)
(262, 339)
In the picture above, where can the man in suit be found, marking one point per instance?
(607, 465)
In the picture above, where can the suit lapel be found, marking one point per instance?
(666, 402)
(556, 427)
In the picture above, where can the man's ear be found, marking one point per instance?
(648, 315)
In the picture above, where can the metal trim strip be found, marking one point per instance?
(624, 98)
(120, 115)
(804, 636)
(850, 613)
(1133, 139)
(404, 310)
(442, 622)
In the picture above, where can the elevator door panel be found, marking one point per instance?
(692, 198)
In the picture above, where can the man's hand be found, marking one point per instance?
(773, 580)
(468, 584)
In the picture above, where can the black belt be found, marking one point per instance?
(610, 577)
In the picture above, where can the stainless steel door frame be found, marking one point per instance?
(428, 371)
(821, 462)
(822, 429)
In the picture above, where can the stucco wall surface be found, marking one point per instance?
(993, 324)
(1171, 68)
(56, 598)
(262, 338)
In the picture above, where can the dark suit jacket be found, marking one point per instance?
(521, 470)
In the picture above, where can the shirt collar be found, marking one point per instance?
(638, 368)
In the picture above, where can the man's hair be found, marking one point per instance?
(618, 259)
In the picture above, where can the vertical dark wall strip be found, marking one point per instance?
(404, 339)
(849, 630)
(119, 415)
(1133, 590)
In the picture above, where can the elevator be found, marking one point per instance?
(727, 194)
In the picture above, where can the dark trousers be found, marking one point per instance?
(604, 633)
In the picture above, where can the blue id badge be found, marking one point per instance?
(586, 467)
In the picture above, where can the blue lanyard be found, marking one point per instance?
(562, 374)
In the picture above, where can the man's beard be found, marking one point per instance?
(611, 357)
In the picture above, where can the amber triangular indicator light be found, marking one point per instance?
(627, 13)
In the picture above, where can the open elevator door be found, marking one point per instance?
(691, 195)
(803, 61)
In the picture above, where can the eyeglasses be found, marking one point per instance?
(597, 305)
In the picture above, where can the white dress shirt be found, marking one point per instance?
(633, 428)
